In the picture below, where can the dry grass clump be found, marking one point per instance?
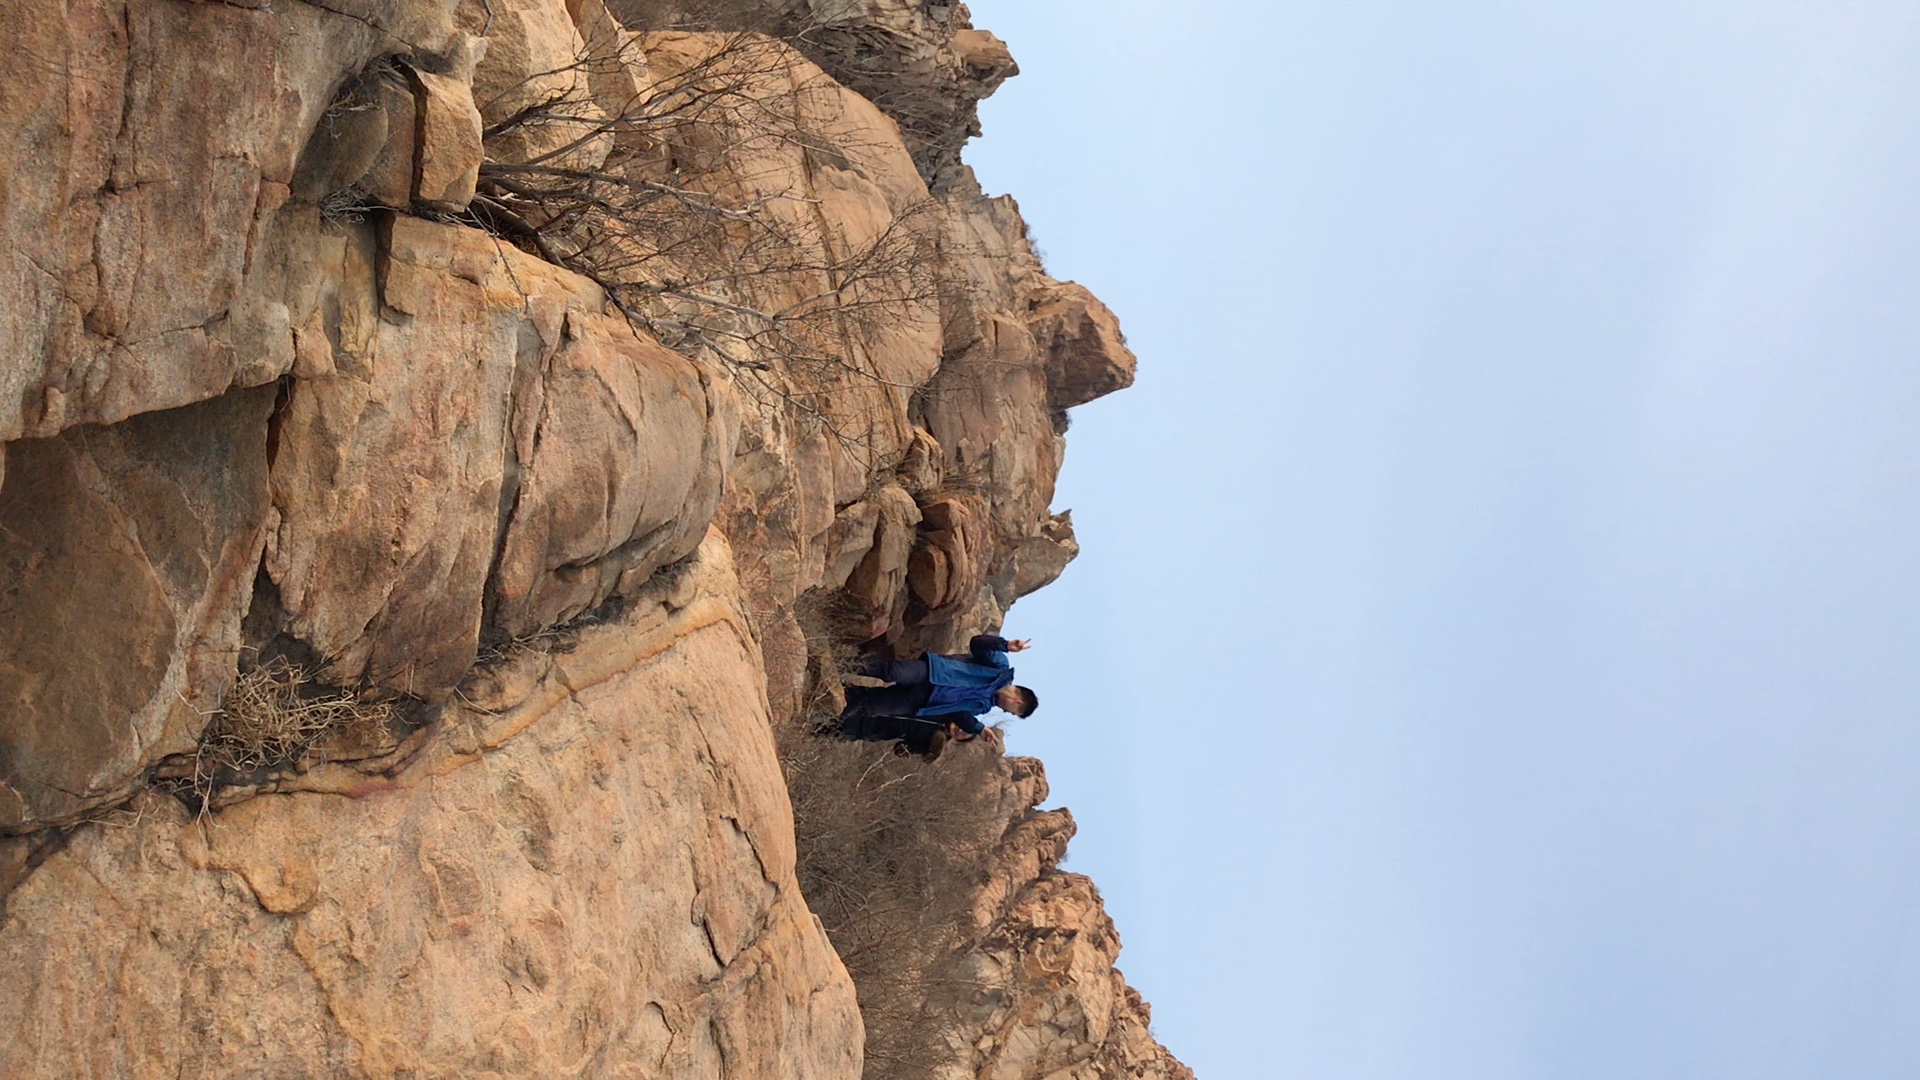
(830, 625)
(275, 716)
(891, 851)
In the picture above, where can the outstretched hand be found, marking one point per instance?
(1019, 645)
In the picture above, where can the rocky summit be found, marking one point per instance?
(450, 451)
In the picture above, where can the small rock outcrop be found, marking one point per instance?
(502, 380)
(1041, 995)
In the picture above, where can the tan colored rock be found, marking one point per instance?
(877, 585)
(625, 467)
(581, 865)
(932, 72)
(478, 378)
(388, 179)
(831, 410)
(593, 878)
(399, 134)
(1023, 985)
(617, 75)
(1087, 356)
(1020, 348)
(988, 407)
(391, 450)
(1040, 560)
(990, 417)
(783, 652)
(949, 559)
(369, 123)
(930, 575)
(127, 557)
(532, 85)
(779, 509)
(388, 471)
(981, 49)
(449, 150)
(153, 147)
(1035, 992)
(923, 469)
(851, 539)
(837, 182)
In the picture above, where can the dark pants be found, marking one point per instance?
(880, 713)
(899, 672)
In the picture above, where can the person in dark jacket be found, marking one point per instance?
(937, 694)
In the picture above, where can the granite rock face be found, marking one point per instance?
(484, 443)
(297, 373)
(1042, 997)
(152, 146)
(469, 445)
(587, 871)
(127, 557)
(923, 64)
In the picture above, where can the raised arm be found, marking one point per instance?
(984, 646)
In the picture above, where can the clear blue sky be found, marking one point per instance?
(1494, 651)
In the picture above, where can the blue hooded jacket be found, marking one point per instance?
(966, 685)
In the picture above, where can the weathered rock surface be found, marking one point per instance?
(923, 64)
(537, 58)
(1041, 995)
(471, 445)
(266, 396)
(477, 406)
(126, 562)
(587, 872)
(1086, 354)
(151, 145)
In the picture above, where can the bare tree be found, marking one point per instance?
(671, 168)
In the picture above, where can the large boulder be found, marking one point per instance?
(877, 586)
(127, 557)
(142, 190)
(484, 436)
(1086, 355)
(534, 86)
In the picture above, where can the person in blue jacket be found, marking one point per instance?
(937, 694)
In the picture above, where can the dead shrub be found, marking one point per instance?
(829, 625)
(276, 717)
(891, 852)
(685, 195)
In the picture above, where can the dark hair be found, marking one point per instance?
(1029, 701)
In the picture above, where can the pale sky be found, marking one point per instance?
(1493, 652)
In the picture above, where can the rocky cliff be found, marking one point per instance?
(426, 430)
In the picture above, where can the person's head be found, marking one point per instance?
(1017, 700)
